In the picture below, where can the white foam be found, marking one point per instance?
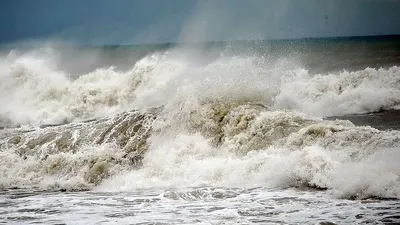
(337, 158)
(35, 91)
(344, 93)
(221, 125)
(62, 170)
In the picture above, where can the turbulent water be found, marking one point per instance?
(223, 133)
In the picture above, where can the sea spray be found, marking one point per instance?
(175, 121)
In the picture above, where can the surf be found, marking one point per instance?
(176, 118)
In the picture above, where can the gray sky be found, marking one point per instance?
(149, 21)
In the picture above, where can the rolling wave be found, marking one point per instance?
(34, 91)
(174, 120)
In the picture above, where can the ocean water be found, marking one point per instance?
(249, 132)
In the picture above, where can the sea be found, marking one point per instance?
(303, 131)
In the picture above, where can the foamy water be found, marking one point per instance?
(173, 138)
(34, 91)
(207, 205)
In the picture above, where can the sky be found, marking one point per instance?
(157, 21)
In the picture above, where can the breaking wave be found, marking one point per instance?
(174, 120)
(34, 91)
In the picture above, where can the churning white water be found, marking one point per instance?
(178, 140)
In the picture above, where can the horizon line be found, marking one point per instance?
(302, 39)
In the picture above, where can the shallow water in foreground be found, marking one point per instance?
(208, 205)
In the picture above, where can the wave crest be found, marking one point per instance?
(234, 121)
